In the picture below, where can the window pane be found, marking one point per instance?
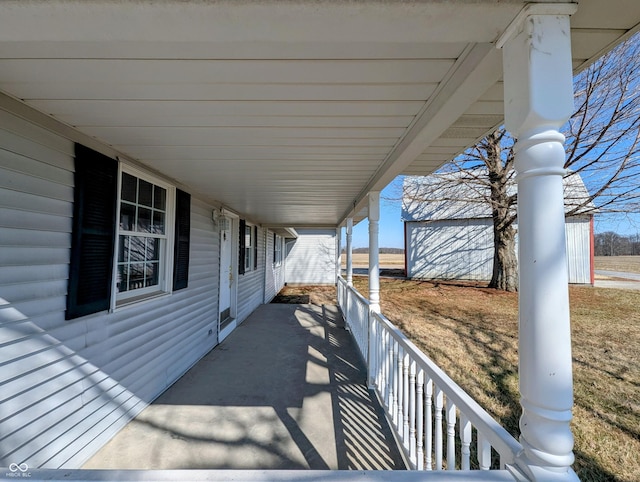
(153, 249)
(136, 249)
(248, 262)
(159, 198)
(158, 222)
(127, 216)
(144, 220)
(122, 281)
(136, 276)
(145, 193)
(122, 249)
(129, 185)
(151, 274)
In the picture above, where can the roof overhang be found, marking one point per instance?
(286, 112)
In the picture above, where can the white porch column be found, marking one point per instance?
(349, 252)
(338, 253)
(374, 263)
(538, 101)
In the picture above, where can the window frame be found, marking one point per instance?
(166, 264)
(249, 248)
(277, 249)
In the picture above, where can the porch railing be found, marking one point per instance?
(438, 425)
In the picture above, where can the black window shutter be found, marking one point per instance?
(93, 234)
(274, 248)
(181, 241)
(255, 248)
(243, 225)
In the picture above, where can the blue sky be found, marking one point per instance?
(391, 229)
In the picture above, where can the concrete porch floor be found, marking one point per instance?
(286, 390)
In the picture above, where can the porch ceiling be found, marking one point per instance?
(287, 112)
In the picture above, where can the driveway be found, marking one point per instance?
(623, 280)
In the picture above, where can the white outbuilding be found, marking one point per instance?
(449, 233)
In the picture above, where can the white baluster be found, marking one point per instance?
(400, 395)
(371, 351)
(420, 403)
(380, 363)
(405, 399)
(438, 427)
(484, 452)
(465, 438)
(385, 371)
(412, 413)
(428, 408)
(394, 383)
(451, 435)
(398, 388)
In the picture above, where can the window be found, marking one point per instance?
(123, 244)
(277, 250)
(142, 237)
(248, 247)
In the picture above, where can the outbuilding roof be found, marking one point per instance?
(465, 195)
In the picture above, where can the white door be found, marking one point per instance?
(227, 281)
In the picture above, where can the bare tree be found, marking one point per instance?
(603, 147)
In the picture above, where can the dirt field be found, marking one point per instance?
(629, 264)
(387, 261)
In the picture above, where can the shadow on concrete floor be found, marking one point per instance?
(285, 391)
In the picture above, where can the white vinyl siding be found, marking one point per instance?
(311, 258)
(67, 386)
(463, 249)
(578, 231)
(251, 283)
(455, 249)
(274, 275)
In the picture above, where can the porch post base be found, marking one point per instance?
(523, 471)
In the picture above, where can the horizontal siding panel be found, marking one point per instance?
(270, 282)
(251, 284)
(34, 221)
(36, 168)
(37, 307)
(20, 256)
(18, 359)
(49, 379)
(163, 334)
(22, 128)
(66, 384)
(39, 204)
(41, 289)
(20, 145)
(32, 274)
(17, 181)
(29, 238)
(67, 428)
(311, 259)
(100, 431)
